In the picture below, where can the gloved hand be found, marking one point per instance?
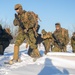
(16, 22)
(25, 30)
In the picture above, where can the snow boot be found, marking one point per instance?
(35, 53)
(16, 53)
(14, 61)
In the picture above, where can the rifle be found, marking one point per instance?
(57, 41)
(21, 24)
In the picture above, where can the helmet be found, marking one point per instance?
(43, 31)
(73, 33)
(57, 23)
(17, 6)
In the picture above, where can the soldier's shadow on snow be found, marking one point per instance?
(50, 69)
(41, 52)
(8, 54)
(24, 51)
(11, 53)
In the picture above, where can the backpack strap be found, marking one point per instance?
(63, 32)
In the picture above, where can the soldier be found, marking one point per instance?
(61, 38)
(5, 38)
(73, 42)
(26, 25)
(47, 40)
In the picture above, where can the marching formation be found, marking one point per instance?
(27, 21)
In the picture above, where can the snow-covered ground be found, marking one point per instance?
(54, 63)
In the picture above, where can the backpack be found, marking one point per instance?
(32, 19)
(65, 35)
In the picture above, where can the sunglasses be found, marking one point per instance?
(16, 8)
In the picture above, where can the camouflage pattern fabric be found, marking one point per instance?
(73, 43)
(62, 36)
(65, 35)
(29, 35)
(47, 40)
